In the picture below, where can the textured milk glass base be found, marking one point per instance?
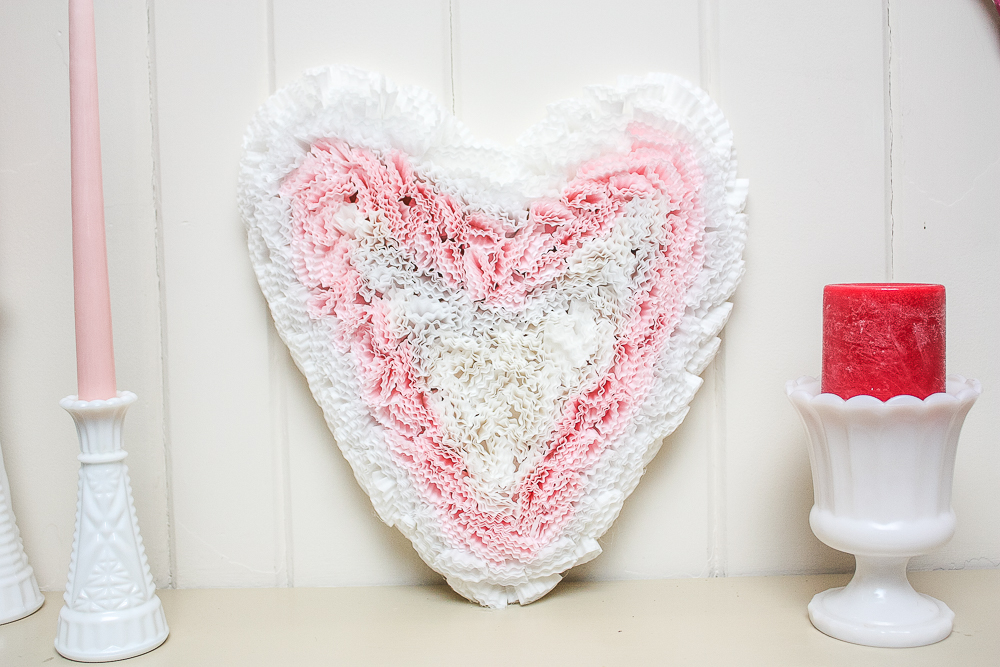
(111, 611)
(882, 477)
(19, 594)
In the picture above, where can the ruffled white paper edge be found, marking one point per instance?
(367, 110)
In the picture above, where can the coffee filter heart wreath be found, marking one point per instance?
(499, 338)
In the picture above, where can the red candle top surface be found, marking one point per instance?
(883, 340)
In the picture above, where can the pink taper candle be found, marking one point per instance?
(95, 355)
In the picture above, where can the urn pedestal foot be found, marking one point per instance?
(880, 608)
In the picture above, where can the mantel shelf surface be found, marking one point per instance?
(719, 622)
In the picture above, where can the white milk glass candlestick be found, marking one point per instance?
(111, 611)
(19, 594)
(882, 477)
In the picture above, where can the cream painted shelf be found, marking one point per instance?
(687, 622)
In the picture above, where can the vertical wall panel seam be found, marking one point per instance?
(154, 121)
(889, 133)
(271, 58)
(451, 52)
(278, 389)
(283, 536)
(710, 72)
(718, 545)
(708, 44)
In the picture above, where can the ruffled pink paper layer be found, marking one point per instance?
(499, 264)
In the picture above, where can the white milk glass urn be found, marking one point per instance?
(882, 478)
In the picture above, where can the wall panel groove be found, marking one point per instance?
(715, 375)
(161, 289)
(890, 144)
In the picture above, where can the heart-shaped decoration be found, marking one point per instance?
(499, 338)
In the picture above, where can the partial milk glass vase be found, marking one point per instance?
(882, 477)
(19, 594)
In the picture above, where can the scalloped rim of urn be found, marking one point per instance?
(958, 389)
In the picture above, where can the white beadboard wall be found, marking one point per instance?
(867, 129)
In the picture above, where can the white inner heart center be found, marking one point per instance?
(498, 380)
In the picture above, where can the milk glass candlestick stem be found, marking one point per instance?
(95, 360)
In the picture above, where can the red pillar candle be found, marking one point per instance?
(883, 340)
